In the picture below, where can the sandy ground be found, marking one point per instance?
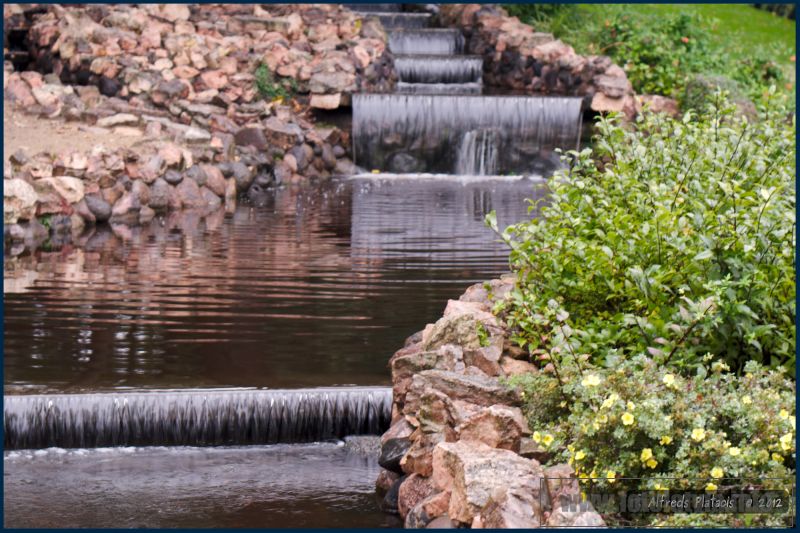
(34, 134)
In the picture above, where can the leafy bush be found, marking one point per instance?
(271, 89)
(657, 58)
(678, 244)
(637, 419)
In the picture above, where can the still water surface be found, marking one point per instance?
(316, 287)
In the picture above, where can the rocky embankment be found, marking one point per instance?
(517, 57)
(458, 452)
(182, 81)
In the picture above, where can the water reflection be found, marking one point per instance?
(315, 287)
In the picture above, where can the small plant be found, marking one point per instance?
(271, 89)
(483, 335)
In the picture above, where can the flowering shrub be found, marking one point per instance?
(678, 244)
(638, 419)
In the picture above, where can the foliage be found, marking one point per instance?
(782, 10)
(271, 89)
(679, 243)
(663, 46)
(637, 419)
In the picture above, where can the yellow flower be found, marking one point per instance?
(580, 455)
(659, 486)
(784, 414)
(627, 419)
(537, 437)
(777, 457)
(608, 402)
(652, 463)
(611, 476)
(746, 400)
(786, 442)
(602, 419)
(631, 406)
(698, 434)
(547, 439)
(711, 486)
(666, 439)
(793, 421)
(669, 380)
(647, 453)
(717, 472)
(592, 380)
(734, 451)
(376, 171)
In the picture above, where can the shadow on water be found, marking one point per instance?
(316, 287)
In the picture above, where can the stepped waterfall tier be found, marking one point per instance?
(194, 417)
(407, 133)
(439, 41)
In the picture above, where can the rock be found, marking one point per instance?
(210, 199)
(214, 79)
(140, 190)
(117, 120)
(474, 389)
(419, 458)
(171, 154)
(498, 426)
(427, 510)
(159, 195)
(531, 450)
(19, 201)
(99, 207)
(514, 508)
(406, 363)
(170, 12)
(326, 101)
(389, 503)
(385, 481)
(251, 137)
(146, 214)
(441, 522)
(281, 134)
(126, 209)
(660, 104)
(69, 188)
(230, 191)
(514, 367)
(20, 93)
(189, 194)
(476, 473)
(197, 174)
(108, 86)
(413, 490)
(173, 177)
(392, 451)
(215, 181)
(399, 429)
(243, 176)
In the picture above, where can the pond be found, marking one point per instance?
(313, 287)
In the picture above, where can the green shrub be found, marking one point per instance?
(636, 419)
(679, 243)
(271, 89)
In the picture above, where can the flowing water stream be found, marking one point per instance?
(313, 290)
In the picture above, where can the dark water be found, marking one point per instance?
(320, 485)
(317, 288)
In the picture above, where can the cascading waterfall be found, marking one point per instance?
(439, 41)
(439, 69)
(194, 418)
(421, 133)
(478, 153)
(399, 21)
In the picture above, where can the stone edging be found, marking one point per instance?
(458, 453)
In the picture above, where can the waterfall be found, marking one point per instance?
(439, 69)
(478, 153)
(422, 133)
(194, 418)
(399, 21)
(428, 41)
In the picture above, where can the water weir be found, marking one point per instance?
(407, 133)
(194, 417)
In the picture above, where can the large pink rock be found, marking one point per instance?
(413, 490)
(498, 426)
(474, 473)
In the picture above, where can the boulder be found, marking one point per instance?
(419, 458)
(413, 490)
(399, 429)
(19, 201)
(427, 510)
(159, 195)
(392, 451)
(498, 426)
(660, 104)
(474, 389)
(281, 134)
(69, 188)
(474, 473)
(386, 479)
(408, 362)
(188, 192)
(251, 137)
